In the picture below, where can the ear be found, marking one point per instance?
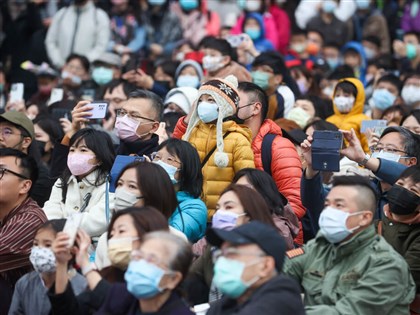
(226, 60)
(26, 142)
(257, 108)
(155, 127)
(367, 217)
(25, 186)
(411, 161)
(171, 281)
(267, 267)
(278, 78)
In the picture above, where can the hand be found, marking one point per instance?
(306, 147)
(372, 138)
(354, 150)
(83, 242)
(61, 249)
(66, 126)
(248, 45)
(399, 48)
(79, 116)
(156, 49)
(16, 106)
(139, 78)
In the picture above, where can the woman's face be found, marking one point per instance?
(44, 238)
(412, 124)
(171, 159)
(229, 201)
(245, 182)
(307, 106)
(128, 181)
(41, 135)
(124, 227)
(81, 148)
(75, 67)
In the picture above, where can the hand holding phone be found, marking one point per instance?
(99, 109)
(71, 227)
(16, 92)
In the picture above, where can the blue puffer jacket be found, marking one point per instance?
(190, 217)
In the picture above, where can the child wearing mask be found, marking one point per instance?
(223, 146)
(348, 100)
(30, 295)
(254, 26)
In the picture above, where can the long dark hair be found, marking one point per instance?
(155, 186)
(191, 177)
(101, 145)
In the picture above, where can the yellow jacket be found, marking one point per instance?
(238, 147)
(354, 118)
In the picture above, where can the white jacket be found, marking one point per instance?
(94, 216)
(91, 38)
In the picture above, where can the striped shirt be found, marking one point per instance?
(17, 232)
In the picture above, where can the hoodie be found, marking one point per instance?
(358, 47)
(261, 43)
(354, 118)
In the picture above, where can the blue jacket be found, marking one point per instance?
(261, 44)
(358, 47)
(190, 217)
(313, 192)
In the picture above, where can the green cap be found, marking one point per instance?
(19, 119)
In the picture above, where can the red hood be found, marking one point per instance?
(268, 126)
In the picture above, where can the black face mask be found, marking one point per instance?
(239, 120)
(402, 201)
(165, 84)
(41, 147)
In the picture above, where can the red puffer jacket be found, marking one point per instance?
(286, 168)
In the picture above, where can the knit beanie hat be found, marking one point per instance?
(225, 93)
(191, 63)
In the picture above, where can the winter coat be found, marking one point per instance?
(92, 33)
(237, 146)
(94, 216)
(360, 72)
(262, 44)
(283, 26)
(363, 275)
(354, 118)
(190, 217)
(286, 167)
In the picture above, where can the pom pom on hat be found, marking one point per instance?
(221, 159)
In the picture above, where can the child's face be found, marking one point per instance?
(340, 92)
(44, 238)
(352, 59)
(206, 98)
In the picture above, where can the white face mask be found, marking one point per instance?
(253, 5)
(410, 94)
(344, 103)
(124, 199)
(299, 116)
(332, 224)
(207, 112)
(42, 259)
(212, 63)
(170, 169)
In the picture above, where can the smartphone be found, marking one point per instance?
(235, 40)
(372, 124)
(99, 110)
(71, 226)
(58, 113)
(56, 96)
(326, 150)
(16, 92)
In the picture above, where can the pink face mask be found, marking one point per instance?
(78, 163)
(127, 128)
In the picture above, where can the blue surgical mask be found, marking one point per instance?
(143, 279)
(261, 79)
(188, 80)
(207, 112)
(171, 170)
(254, 33)
(156, 2)
(328, 6)
(411, 50)
(228, 277)
(363, 4)
(102, 75)
(386, 156)
(383, 99)
(188, 5)
(333, 62)
(370, 53)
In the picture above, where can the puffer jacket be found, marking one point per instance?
(286, 167)
(354, 118)
(237, 146)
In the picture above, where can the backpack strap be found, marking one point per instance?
(212, 151)
(266, 157)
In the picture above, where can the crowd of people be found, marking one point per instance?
(205, 187)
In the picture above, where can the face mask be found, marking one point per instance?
(299, 48)
(41, 146)
(156, 2)
(171, 170)
(333, 63)
(180, 56)
(212, 63)
(410, 94)
(127, 128)
(42, 259)
(207, 112)
(402, 201)
(228, 277)
(102, 75)
(332, 224)
(329, 6)
(344, 104)
(383, 99)
(363, 4)
(124, 199)
(45, 89)
(411, 51)
(254, 33)
(188, 80)
(143, 279)
(370, 53)
(188, 5)
(252, 5)
(225, 220)
(119, 251)
(328, 90)
(261, 79)
(78, 163)
(386, 156)
(166, 84)
(299, 116)
(74, 79)
(302, 86)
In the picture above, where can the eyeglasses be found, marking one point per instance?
(157, 157)
(378, 149)
(137, 254)
(7, 132)
(4, 170)
(233, 252)
(132, 115)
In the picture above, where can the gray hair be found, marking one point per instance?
(155, 100)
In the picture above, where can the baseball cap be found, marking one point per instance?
(109, 59)
(254, 232)
(19, 119)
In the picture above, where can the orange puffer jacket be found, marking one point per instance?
(286, 168)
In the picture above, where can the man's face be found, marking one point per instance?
(247, 108)
(141, 110)
(388, 86)
(75, 67)
(393, 143)
(331, 53)
(273, 79)
(410, 39)
(116, 97)
(11, 137)
(11, 185)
